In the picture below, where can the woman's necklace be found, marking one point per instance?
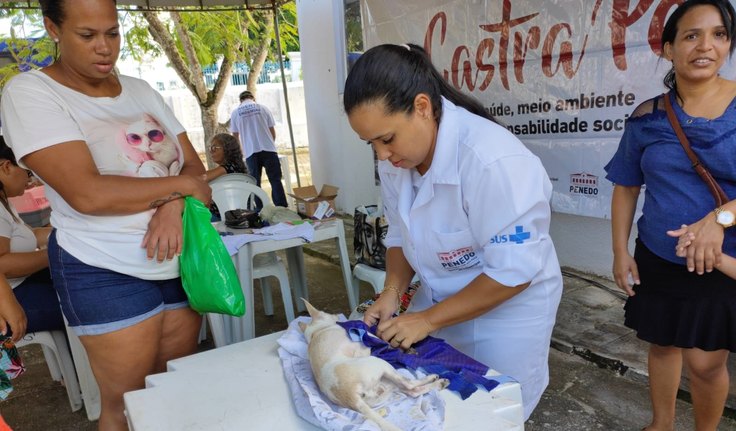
(109, 87)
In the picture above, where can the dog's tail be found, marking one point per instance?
(362, 407)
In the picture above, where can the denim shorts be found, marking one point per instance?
(97, 301)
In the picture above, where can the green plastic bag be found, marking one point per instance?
(207, 271)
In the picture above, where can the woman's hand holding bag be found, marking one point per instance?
(207, 271)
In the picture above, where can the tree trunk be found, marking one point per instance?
(187, 66)
(261, 53)
(160, 33)
(210, 128)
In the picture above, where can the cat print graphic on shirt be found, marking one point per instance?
(148, 150)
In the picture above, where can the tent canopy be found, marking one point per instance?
(170, 4)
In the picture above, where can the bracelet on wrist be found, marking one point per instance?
(391, 288)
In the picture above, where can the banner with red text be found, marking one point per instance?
(563, 75)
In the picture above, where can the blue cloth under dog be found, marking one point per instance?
(424, 413)
(431, 355)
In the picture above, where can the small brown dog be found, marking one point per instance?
(346, 372)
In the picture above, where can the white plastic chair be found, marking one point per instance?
(229, 195)
(59, 360)
(234, 178)
(87, 381)
(374, 276)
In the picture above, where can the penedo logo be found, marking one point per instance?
(584, 184)
(518, 237)
(459, 259)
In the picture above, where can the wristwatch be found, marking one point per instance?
(724, 218)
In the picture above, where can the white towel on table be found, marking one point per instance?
(275, 232)
(425, 413)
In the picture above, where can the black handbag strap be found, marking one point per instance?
(718, 194)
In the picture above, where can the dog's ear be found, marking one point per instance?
(310, 308)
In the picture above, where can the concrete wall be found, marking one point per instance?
(584, 243)
(186, 109)
(337, 156)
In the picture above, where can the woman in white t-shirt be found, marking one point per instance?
(23, 257)
(116, 163)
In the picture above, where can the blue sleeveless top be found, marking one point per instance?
(650, 154)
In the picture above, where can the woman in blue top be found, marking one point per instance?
(686, 311)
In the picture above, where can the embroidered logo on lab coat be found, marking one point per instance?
(457, 260)
(518, 237)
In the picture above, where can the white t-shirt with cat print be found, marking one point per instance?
(133, 134)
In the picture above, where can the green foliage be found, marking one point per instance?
(353, 27)
(27, 44)
(211, 34)
(138, 43)
(288, 26)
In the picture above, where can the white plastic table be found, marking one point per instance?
(242, 387)
(244, 328)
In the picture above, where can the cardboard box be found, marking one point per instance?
(315, 205)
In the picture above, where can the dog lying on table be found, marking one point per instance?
(346, 372)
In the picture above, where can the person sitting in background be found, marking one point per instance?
(225, 151)
(12, 316)
(23, 256)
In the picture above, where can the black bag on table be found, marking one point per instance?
(242, 219)
(370, 232)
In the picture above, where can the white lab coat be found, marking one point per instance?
(483, 207)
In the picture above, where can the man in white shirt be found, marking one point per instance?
(253, 124)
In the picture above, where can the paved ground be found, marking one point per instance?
(598, 373)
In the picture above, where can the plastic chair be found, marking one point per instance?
(87, 382)
(59, 360)
(229, 195)
(234, 178)
(374, 276)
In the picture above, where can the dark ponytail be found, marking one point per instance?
(395, 75)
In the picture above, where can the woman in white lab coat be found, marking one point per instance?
(468, 212)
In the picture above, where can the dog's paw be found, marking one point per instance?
(444, 383)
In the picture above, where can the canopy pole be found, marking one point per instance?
(286, 93)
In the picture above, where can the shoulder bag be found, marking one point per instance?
(718, 194)
(369, 234)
